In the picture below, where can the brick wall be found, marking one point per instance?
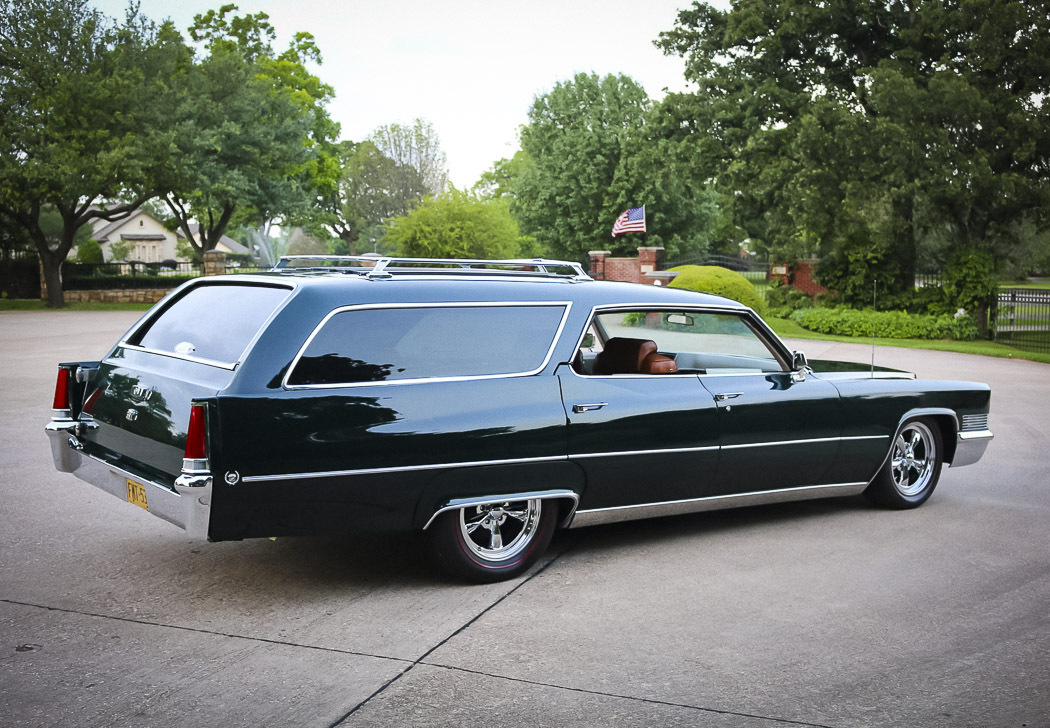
(800, 275)
(632, 270)
(139, 295)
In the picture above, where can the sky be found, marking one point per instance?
(470, 67)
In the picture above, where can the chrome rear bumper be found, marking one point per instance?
(970, 446)
(188, 506)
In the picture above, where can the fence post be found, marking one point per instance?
(214, 263)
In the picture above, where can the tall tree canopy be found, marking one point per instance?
(414, 147)
(76, 137)
(592, 157)
(863, 129)
(371, 188)
(252, 132)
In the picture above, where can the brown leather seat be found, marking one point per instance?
(658, 364)
(623, 356)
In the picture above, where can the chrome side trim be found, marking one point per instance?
(597, 516)
(803, 442)
(619, 453)
(566, 307)
(970, 447)
(457, 503)
(974, 423)
(401, 469)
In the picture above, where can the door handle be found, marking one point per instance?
(578, 408)
(723, 396)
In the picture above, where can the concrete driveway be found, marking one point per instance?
(824, 613)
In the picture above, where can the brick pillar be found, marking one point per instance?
(214, 263)
(598, 263)
(649, 259)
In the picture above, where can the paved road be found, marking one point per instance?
(825, 613)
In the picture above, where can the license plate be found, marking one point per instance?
(137, 494)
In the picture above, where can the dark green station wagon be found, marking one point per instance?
(484, 404)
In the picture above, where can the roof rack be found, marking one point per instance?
(386, 267)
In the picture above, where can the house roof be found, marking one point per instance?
(230, 243)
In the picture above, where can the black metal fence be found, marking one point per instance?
(132, 275)
(1022, 319)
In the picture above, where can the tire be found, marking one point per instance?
(912, 469)
(495, 541)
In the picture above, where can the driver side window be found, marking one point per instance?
(654, 342)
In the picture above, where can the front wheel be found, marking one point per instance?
(911, 472)
(493, 541)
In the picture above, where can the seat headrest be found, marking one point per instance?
(621, 355)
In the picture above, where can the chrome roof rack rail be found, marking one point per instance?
(383, 267)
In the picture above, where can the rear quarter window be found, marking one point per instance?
(214, 322)
(428, 342)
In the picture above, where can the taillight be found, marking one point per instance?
(61, 401)
(196, 436)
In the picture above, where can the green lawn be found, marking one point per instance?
(1045, 285)
(29, 304)
(789, 329)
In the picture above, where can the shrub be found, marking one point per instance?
(781, 296)
(90, 251)
(719, 282)
(884, 324)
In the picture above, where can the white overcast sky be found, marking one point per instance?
(470, 67)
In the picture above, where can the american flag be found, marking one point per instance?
(631, 221)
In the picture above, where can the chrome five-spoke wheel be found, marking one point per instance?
(913, 459)
(500, 531)
(494, 540)
(912, 469)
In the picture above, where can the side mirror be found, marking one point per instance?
(798, 362)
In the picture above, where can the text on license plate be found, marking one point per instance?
(137, 494)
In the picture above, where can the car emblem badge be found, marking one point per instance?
(132, 415)
(141, 393)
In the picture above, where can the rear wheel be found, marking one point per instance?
(911, 472)
(494, 541)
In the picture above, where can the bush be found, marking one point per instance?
(90, 251)
(719, 282)
(884, 324)
(781, 296)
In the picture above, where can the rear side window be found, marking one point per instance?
(212, 322)
(426, 342)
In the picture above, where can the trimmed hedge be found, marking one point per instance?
(717, 281)
(885, 324)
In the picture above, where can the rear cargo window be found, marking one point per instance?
(212, 322)
(383, 344)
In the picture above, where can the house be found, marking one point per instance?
(150, 241)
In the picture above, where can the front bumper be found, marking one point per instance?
(188, 506)
(970, 446)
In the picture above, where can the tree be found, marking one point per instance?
(456, 225)
(414, 147)
(593, 157)
(371, 188)
(501, 179)
(249, 128)
(75, 135)
(867, 129)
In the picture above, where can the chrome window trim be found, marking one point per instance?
(613, 514)
(766, 335)
(198, 283)
(183, 357)
(560, 494)
(402, 469)
(566, 308)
